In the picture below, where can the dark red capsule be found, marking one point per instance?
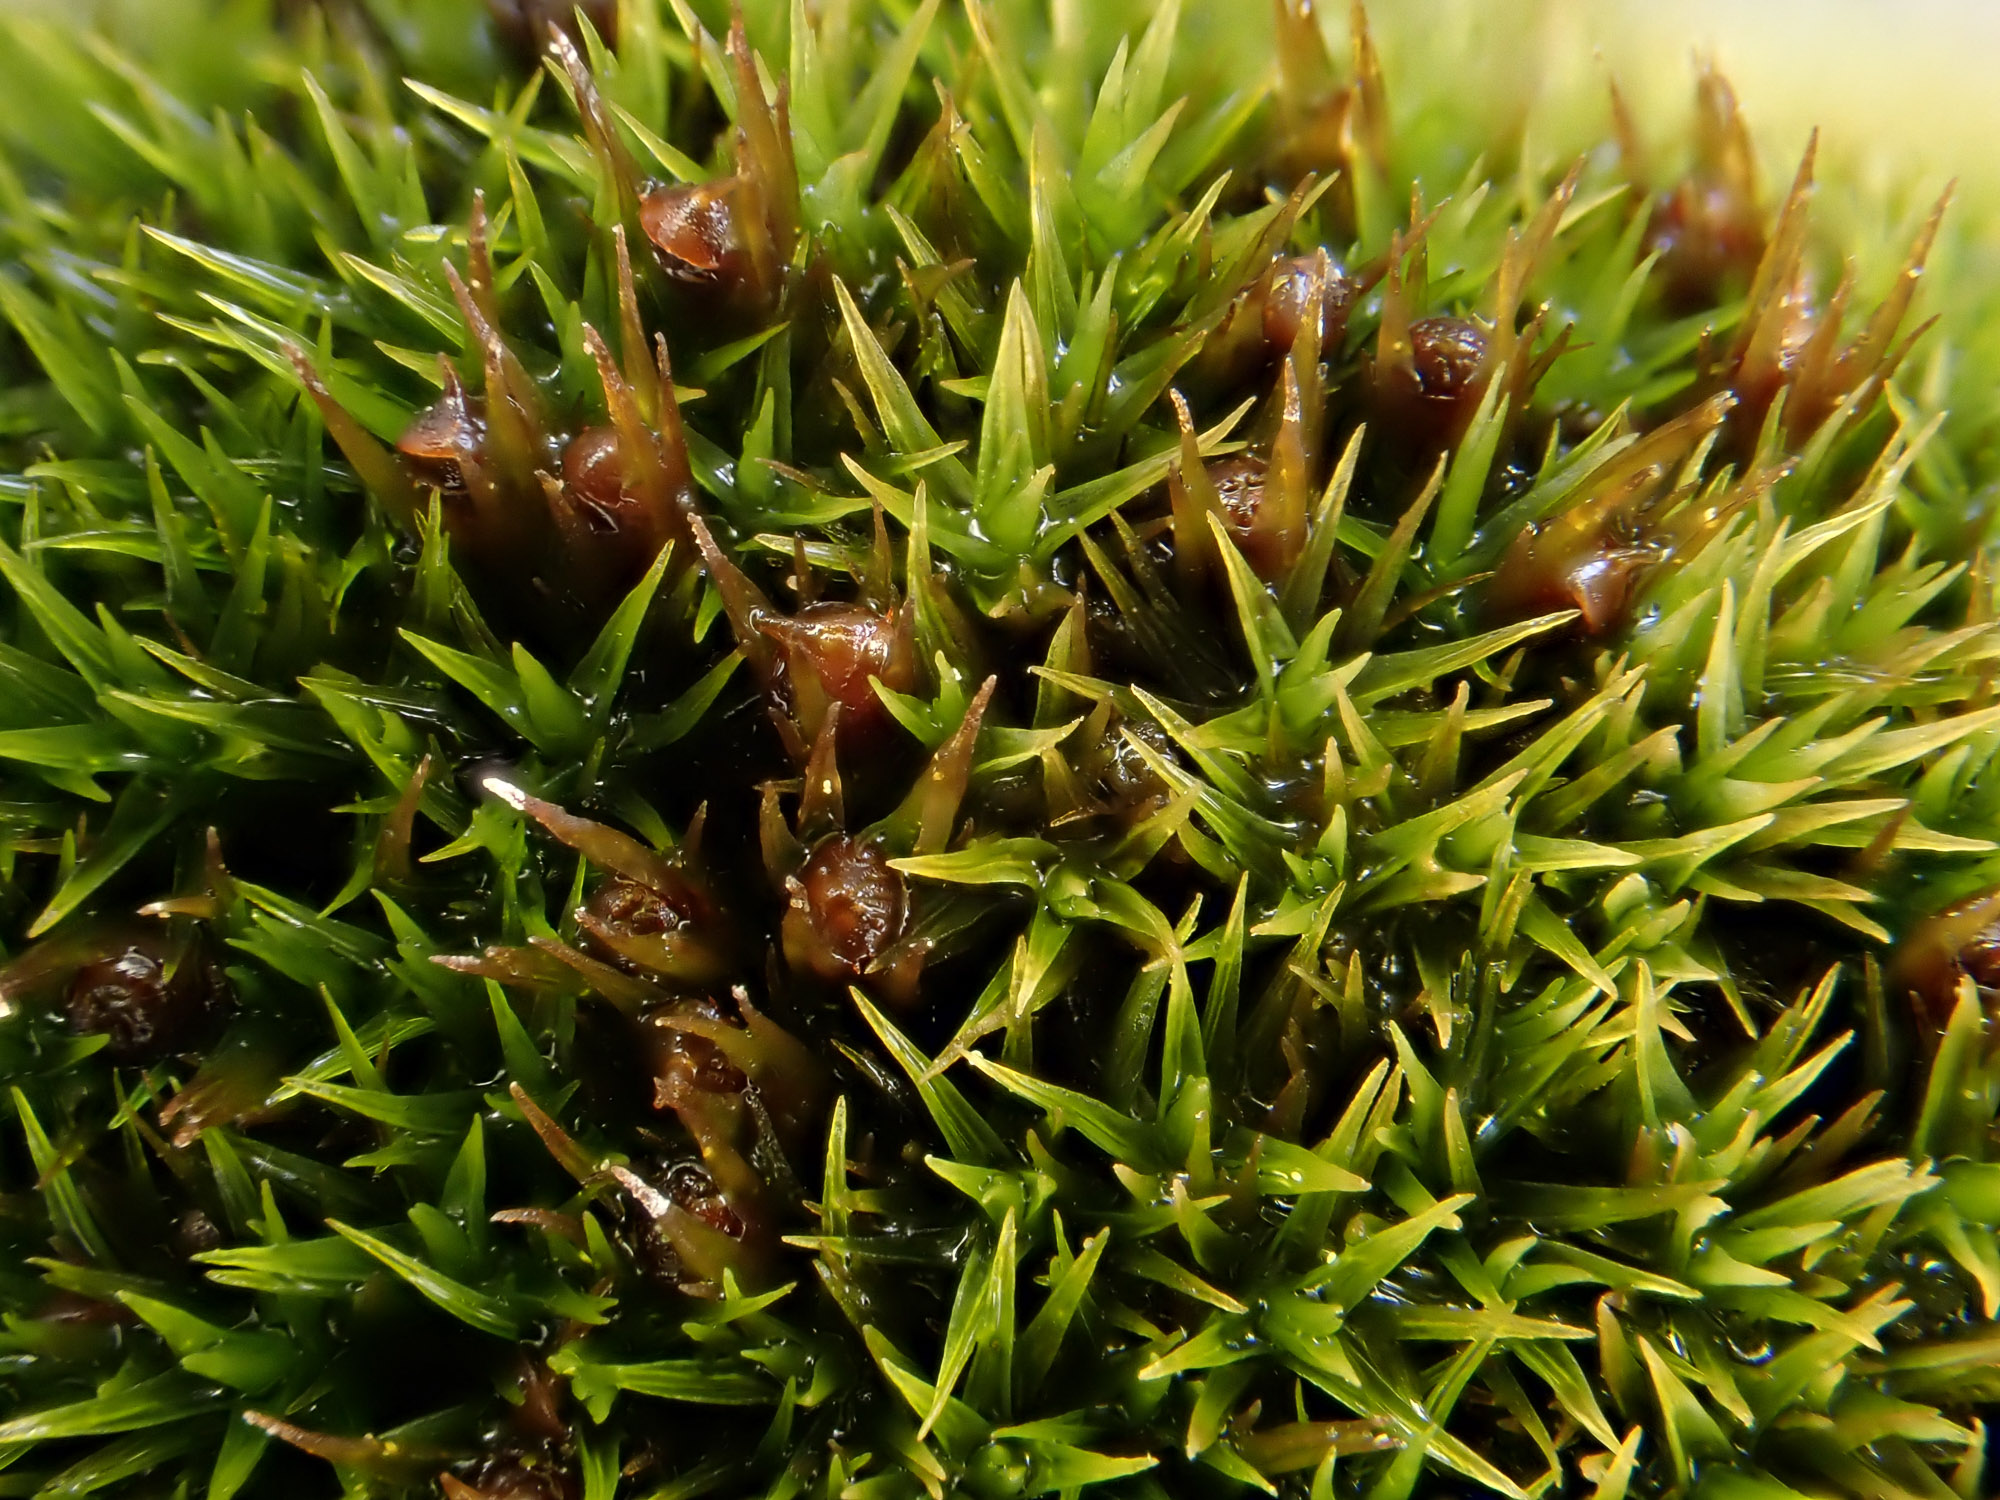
(842, 646)
(195, 1234)
(446, 440)
(1708, 228)
(612, 509)
(671, 930)
(74, 1307)
(1546, 570)
(628, 906)
(848, 906)
(1239, 483)
(598, 486)
(1448, 353)
(690, 1186)
(513, 1477)
(594, 471)
(1240, 486)
(694, 229)
(539, 1417)
(684, 1062)
(1291, 290)
(1427, 393)
(1980, 958)
(1960, 942)
(1709, 239)
(151, 1000)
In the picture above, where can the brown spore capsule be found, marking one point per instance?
(694, 230)
(848, 906)
(74, 1308)
(1239, 482)
(594, 470)
(1708, 239)
(831, 650)
(1707, 228)
(1980, 958)
(1960, 942)
(641, 910)
(196, 1234)
(683, 1061)
(1789, 321)
(670, 930)
(690, 1235)
(1286, 301)
(1429, 374)
(611, 523)
(1544, 571)
(1240, 486)
(1448, 353)
(653, 1251)
(445, 440)
(512, 1477)
(1123, 786)
(690, 1185)
(696, 1077)
(539, 1417)
(151, 1000)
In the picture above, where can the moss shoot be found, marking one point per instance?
(873, 749)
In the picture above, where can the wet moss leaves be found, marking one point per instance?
(884, 750)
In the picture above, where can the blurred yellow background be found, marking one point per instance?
(1918, 76)
(1893, 85)
(1904, 91)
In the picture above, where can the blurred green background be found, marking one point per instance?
(1902, 91)
(1901, 86)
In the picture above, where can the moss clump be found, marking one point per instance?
(888, 748)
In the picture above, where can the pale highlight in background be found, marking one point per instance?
(1917, 76)
(1893, 85)
(1902, 91)
(1900, 81)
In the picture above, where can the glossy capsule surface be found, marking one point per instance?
(444, 440)
(694, 230)
(848, 906)
(149, 999)
(1290, 293)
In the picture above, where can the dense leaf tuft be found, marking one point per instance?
(882, 748)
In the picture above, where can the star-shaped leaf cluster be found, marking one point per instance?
(890, 748)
